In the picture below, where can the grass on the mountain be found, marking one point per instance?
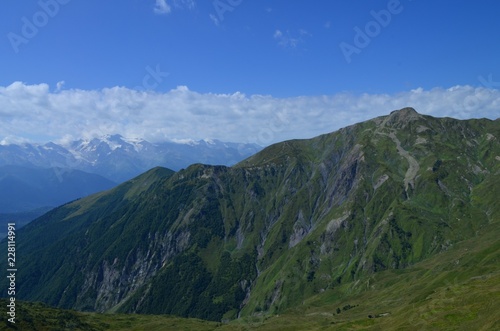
(455, 290)
(332, 243)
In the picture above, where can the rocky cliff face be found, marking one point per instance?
(293, 220)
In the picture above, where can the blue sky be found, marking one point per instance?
(176, 69)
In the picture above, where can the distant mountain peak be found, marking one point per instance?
(120, 158)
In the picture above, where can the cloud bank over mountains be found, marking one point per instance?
(39, 113)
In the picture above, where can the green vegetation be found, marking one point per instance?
(455, 290)
(365, 221)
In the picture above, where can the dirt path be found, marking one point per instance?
(413, 166)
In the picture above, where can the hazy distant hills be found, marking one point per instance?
(120, 159)
(302, 220)
(26, 193)
(23, 189)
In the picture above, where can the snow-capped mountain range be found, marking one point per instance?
(119, 159)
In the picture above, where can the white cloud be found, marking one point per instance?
(287, 40)
(60, 85)
(162, 7)
(35, 113)
(10, 140)
(189, 4)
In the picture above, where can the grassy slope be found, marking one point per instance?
(420, 223)
(455, 290)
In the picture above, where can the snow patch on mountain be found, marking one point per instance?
(119, 158)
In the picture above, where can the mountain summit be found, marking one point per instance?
(298, 218)
(403, 116)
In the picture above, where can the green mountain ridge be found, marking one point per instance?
(299, 219)
(458, 289)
